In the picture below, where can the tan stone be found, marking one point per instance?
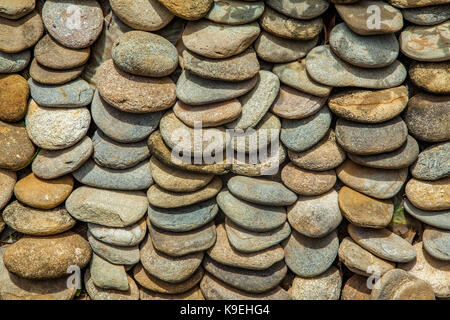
(45, 75)
(7, 182)
(429, 195)
(355, 289)
(14, 93)
(433, 77)
(193, 294)
(21, 34)
(188, 9)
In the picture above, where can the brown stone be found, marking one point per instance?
(14, 93)
(7, 182)
(356, 289)
(15, 9)
(45, 75)
(16, 149)
(21, 34)
(188, 9)
(429, 195)
(433, 77)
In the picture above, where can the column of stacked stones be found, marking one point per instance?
(101, 107)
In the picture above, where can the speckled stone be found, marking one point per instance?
(424, 43)
(438, 219)
(294, 74)
(76, 93)
(107, 207)
(59, 22)
(424, 109)
(429, 195)
(426, 16)
(302, 134)
(303, 10)
(16, 9)
(367, 52)
(326, 68)
(14, 93)
(21, 34)
(235, 12)
(114, 254)
(253, 217)
(433, 77)
(14, 62)
(433, 163)
(383, 243)
(131, 93)
(47, 76)
(279, 50)
(315, 217)
(436, 242)
(7, 182)
(377, 183)
(122, 237)
(106, 275)
(326, 286)
(415, 3)
(97, 293)
(53, 164)
(16, 149)
(309, 257)
(355, 289)
(188, 9)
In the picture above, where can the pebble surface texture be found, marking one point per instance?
(225, 149)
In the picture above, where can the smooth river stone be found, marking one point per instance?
(224, 253)
(208, 115)
(438, 219)
(433, 77)
(14, 62)
(310, 257)
(122, 237)
(194, 90)
(185, 218)
(114, 254)
(326, 286)
(188, 9)
(369, 139)
(303, 10)
(361, 261)
(76, 93)
(16, 9)
(433, 163)
(293, 104)
(437, 243)
(323, 156)
(431, 270)
(16, 149)
(261, 191)
(56, 128)
(290, 28)
(97, 293)
(369, 106)
(429, 195)
(400, 285)
(315, 217)
(144, 54)
(131, 93)
(37, 222)
(326, 68)
(47, 76)
(50, 258)
(145, 15)
(377, 183)
(19, 35)
(356, 289)
(306, 182)
(165, 267)
(383, 243)
(107, 207)
(426, 43)
(43, 194)
(7, 182)
(106, 275)
(168, 199)
(14, 93)
(246, 241)
(138, 177)
(279, 50)
(247, 280)
(363, 51)
(364, 211)
(427, 117)
(49, 53)
(178, 244)
(257, 102)
(295, 75)
(360, 18)
(241, 67)
(121, 126)
(402, 157)
(427, 16)
(235, 12)
(73, 33)
(14, 287)
(215, 40)
(302, 134)
(177, 180)
(53, 164)
(250, 216)
(115, 155)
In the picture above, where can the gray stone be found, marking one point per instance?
(14, 62)
(138, 177)
(235, 12)
(97, 293)
(437, 243)
(185, 218)
(438, 219)
(427, 16)
(123, 236)
(303, 10)
(106, 275)
(114, 254)
(363, 51)
(250, 216)
(50, 164)
(115, 155)
(107, 207)
(77, 93)
(325, 67)
(433, 163)
(308, 257)
(301, 134)
(194, 90)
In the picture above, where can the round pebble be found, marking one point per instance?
(21, 34)
(14, 93)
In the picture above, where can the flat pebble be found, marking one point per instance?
(16, 9)
(97, 293)
(304, 10)
(438, 219)
(433, 77)
(21, 34)
(188, 9)
(106, 275)
(122, 237)
(433, 163)
(235, 12)
(14, 62)
(16, 149)
(356, 289)
(7, 182)
(326, 286)
(118, 255)
(429, 195)
(47, 76)
(436, 243)
(426, 16)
